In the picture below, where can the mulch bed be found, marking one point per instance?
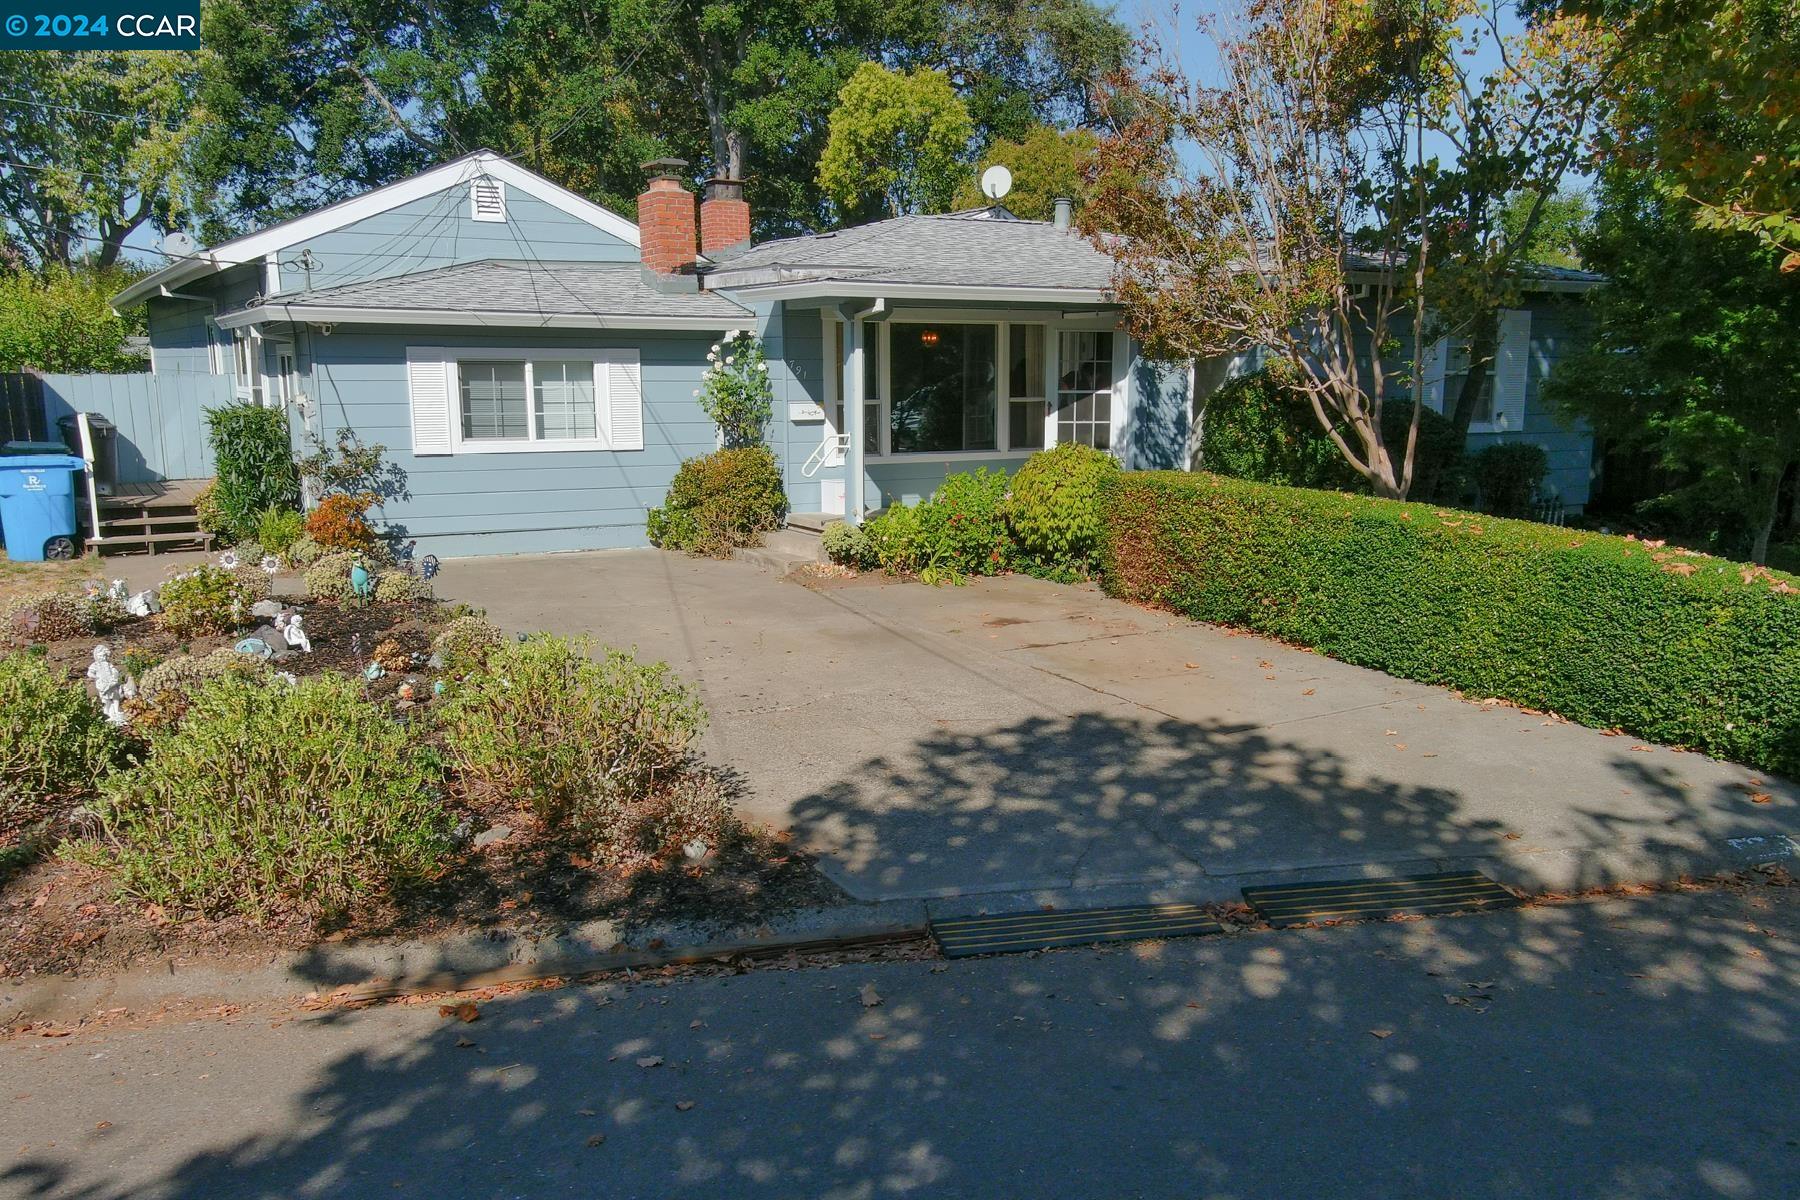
(57, 916)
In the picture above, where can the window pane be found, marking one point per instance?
(871, 362)
(563, 398)
(872, 428)
(836, 367)
(1026, 349)
(1084, 389)
(493, 400)
(944, 380)
(1025, 429)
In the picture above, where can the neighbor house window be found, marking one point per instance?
(944, 381)
(496, 408)
(246, 365)
(1084, 389)
(1456, 373)
(1025, 387)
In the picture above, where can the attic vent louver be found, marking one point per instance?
(487, 199)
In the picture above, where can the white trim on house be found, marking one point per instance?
(320, 314)
(332, 217)
(859, 290)
(434, 398)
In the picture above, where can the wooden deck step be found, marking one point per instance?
(203, 540)
(137, 522)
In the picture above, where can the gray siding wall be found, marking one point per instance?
(437, 231)
(178, 342)
(515, 503)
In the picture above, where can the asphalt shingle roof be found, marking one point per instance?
(538, 288)
(971, 249)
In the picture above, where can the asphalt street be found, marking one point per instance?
(1626, 1047)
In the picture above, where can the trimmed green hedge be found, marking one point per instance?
(1666, 644)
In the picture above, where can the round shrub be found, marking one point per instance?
(329, 576)
(279, 528)
(53, 616)
(1509, 476)
(54, 741)
(580, 739)
(272, 798)
(397, 587)
(186, 673)
(693, 807)
(465, 642)
(1055, 507)
(720, 501)
(895, 539)
(339, 523)
(205, 599)
(847, 545)
(209, 514)
(963, 526)
(303, 553)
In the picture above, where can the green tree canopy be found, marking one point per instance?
(1694, 359)
(1046, 163)
(1555, 238)
(899, 140)
(59, 320)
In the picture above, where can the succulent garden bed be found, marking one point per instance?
(395, 780)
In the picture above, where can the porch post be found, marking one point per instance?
(851, 389)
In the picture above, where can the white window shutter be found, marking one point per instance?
(428, 394)
(1437, 361)
(1512, 369)
(624, 401)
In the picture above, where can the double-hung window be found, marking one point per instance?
(1084, 389)
(527, 400)
(246, 366)
(1026, 398)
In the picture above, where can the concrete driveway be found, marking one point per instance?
(1033, 743)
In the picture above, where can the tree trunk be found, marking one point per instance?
(1765, 521)
(1481, 360)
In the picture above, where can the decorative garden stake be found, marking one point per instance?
(270, 564)
(362, 583)
(229, 560)
(112, 685)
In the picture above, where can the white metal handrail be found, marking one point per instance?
(834, 445)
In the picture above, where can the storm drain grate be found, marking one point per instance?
(1016, 932)
(1367, 899)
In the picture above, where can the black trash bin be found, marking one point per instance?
(105, 448)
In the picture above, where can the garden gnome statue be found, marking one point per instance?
(296, 636)
(110, 684)
(361, 582)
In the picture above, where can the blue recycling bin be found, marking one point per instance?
(37, 505)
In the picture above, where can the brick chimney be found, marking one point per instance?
(666, 218)
(724, 216)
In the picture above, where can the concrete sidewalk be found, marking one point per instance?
(1018, 742)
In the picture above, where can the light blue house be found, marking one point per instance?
(531, 359)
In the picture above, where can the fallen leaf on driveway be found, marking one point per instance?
(683, 1105)
(596, 1139)
(1643, 749)
(1381, 1033)
(464, 1042)
(1760, 797)
(870, 997)
(650, 1060)
(1309, 691)
(696, 1024)
(1191, 666)
(464, 1012)
(1392, 732)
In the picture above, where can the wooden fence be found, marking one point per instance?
(160, 418)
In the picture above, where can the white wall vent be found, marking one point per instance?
(487, 199)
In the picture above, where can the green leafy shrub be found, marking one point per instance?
(205, 599)
(278, 529)
(1509, 475)
(210, 515)
(59, 320)
(1054, 511)
(720, 501)
(270, 798)
(397, 587)
(303, 553)
(254, 460)
(1255, 427)
(54, 742)
(1666, 644)
(964, 524)
(329, 576)
(464, 643)
(896, 542)
(580, 739)
(847, 545)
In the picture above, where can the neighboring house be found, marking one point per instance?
(531, 359)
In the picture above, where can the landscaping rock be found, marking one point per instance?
(492, 836)
(266, 608)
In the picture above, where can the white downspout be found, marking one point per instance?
(852, 390)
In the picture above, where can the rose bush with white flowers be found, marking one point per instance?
(735, 390)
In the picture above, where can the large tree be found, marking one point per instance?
(898, 139)
(1693, 360)
(97, 145)
(1046, 164)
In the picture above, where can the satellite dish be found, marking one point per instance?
(996, 181)
(178, 245)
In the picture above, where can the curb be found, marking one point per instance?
(363, 971)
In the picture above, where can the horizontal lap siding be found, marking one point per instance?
(160, 419)
(437, 231)
(516, 503)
